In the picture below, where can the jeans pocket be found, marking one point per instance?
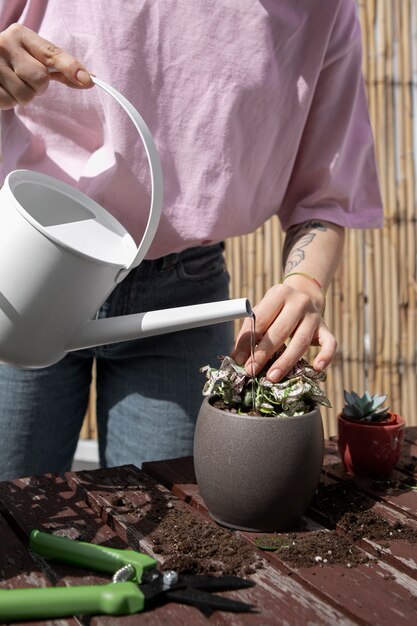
(198, 264)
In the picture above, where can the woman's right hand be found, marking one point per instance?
(25, 63)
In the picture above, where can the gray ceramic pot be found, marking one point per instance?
(257, 473)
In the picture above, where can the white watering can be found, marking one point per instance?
(62, 254)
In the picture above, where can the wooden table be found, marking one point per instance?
(124, 506)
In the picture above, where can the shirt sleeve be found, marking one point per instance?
(335, 174)
(10, 12)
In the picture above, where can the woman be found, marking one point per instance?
(256, 109)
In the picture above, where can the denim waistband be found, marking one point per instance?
(165, 263)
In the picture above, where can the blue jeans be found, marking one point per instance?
(148, 390)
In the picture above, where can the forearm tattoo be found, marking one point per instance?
(297, 239)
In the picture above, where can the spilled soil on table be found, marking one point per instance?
(188, 545)
(342, 505)
(315, 548)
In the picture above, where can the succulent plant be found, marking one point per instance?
(366, 408)
(297, 393)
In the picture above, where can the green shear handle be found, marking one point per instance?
(110, 599)
(89, 555)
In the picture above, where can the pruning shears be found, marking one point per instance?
(135, 586)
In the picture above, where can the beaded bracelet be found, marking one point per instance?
(313, 280)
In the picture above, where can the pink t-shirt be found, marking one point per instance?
(257, 107)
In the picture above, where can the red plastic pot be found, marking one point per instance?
(370, 449)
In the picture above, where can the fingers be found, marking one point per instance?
(328, 345)
(297, 347)
(73, 71)
(24, 62)
(283, 313)
(20, 86)
(265, 314)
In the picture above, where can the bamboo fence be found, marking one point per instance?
(372, 301)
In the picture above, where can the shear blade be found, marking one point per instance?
(207, 601)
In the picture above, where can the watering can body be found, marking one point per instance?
(62, 254)
(52, 282)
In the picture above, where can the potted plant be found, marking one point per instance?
(370, 435)
(258, 446)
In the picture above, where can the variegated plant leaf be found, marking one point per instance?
(296, 394)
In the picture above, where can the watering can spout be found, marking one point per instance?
(114, 329)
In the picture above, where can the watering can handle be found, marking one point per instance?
(155, 173)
